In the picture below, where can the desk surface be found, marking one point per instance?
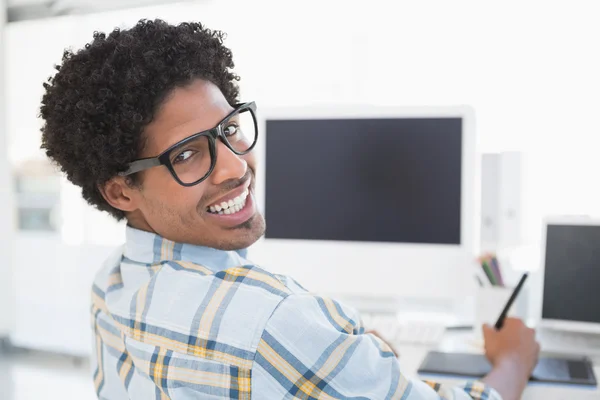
(412, 356)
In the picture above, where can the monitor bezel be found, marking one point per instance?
(442, 281)
(559, 324)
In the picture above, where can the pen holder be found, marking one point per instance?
(490, 301)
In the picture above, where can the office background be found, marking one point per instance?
(529, 69)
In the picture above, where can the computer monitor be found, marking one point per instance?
(571, 274)
(365, 179)
(369, 201)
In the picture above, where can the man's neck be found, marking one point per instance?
(135, 219)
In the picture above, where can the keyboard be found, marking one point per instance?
(576, 343)
(405, 332)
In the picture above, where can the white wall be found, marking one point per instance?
(53, 291)
(6, 203)
(530, 70)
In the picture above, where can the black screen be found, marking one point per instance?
(572, 273)
(374, 180)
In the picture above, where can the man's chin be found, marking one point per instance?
(243, 235)
(248, 225)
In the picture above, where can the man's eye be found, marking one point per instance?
(183, 156)
(231, 130)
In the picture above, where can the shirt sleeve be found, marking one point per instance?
(315, 348)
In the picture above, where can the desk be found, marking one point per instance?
(411, 357)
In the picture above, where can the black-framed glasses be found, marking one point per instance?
(193, 159)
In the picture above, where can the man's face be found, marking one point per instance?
(181, 213)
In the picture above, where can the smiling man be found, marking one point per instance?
(148, 123)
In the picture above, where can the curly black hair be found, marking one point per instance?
(97, 105)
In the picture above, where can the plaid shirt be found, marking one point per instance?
(175, 321)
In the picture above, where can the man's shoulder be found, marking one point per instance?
(186, 302)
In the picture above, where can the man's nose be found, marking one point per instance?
(229, 165)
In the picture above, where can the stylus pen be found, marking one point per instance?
(510, 302)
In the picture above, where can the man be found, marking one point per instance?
(148, 123)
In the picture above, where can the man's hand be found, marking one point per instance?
(513, 353)
(514, 343)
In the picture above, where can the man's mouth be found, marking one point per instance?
(230, 206)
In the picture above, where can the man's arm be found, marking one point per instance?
(513, 352)
(315, 348)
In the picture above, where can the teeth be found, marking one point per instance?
(233, 205)
(232, 210)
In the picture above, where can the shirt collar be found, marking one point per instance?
(150, 248)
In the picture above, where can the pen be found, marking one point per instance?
(496, 268)
(488, 272)
(510, 302)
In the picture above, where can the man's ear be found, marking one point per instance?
(118, 193)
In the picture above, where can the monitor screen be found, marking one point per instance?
(370, 180)
(572, 273)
